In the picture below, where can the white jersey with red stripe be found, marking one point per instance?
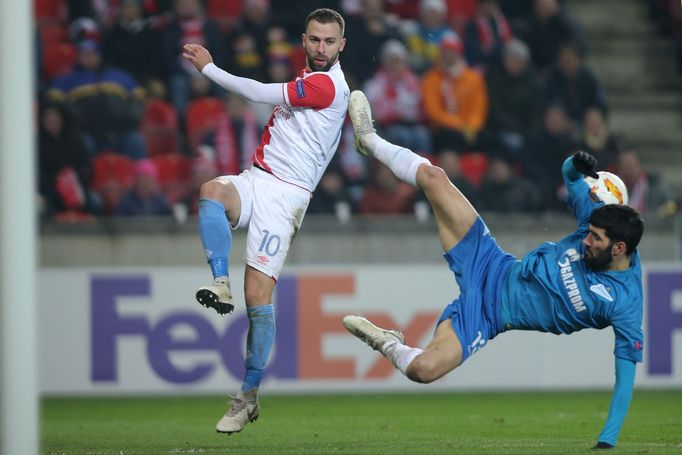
(303, 134)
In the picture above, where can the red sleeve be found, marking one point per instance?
(315, 91)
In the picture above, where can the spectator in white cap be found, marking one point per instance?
(395, 94)
(425, 38)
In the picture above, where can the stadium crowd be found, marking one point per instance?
(495, 92)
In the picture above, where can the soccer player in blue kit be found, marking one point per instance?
(589, 279)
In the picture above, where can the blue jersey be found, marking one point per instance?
(552, 289)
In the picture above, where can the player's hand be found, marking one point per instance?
(603, 445)
(585, 164)
(197, 54)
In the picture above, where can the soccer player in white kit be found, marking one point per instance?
(272, 196)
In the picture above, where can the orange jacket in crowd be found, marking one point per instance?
(455, 102)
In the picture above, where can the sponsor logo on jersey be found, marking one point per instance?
(570, 284)
(601, 291)
(208, 253)
(282, 111)
(263, 259)
(637, 345)
(300, 92)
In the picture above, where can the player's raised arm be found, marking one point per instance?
(574, 169)
(620, 402)
(255, 91)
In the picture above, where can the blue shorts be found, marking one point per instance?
(480, 266)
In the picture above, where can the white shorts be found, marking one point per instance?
(273, 211)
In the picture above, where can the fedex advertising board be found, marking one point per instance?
(108, 331)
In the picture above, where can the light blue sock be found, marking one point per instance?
(258, 344)
(216, 235)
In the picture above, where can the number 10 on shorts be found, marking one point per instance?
(270, 243)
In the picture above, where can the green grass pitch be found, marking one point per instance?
(428, 423)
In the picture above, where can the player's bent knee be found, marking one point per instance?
(432, 178)
(213, 189)
(424, 369)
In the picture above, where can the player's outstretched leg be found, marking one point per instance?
(361, 118)
(403, 162)
(391, 343)
(453, 213)
(442, 355)
(244, 408)
(374, 336)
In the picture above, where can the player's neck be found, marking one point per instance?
(620, 263)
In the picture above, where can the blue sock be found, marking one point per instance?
(216, 235)
(258, 344)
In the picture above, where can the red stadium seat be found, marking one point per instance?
(298, 61)
(159, 128)
(174, 172)
(160, 141)
(225, 12)
(473, 166)
(58, 59)
(461, 9)
(49, 9)
(53, 32)
(159, 113)
(224, 8)
(113, 176)
(202, 116)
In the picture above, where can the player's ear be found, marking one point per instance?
(619, 249)
(303, 40)
(343, 44)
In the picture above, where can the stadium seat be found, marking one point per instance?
(224, 8)
(473, 166)
(225, 12)
(461, 9)
(49, 9)
(202, 116)
(173, 175)
(159, 113)
(160, 141)
(159, 128)
(58, 59)
(113, 176)
(53, 32)
(298, 60)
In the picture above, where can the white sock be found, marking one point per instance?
(403, 162)
(400, 354)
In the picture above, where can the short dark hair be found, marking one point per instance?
(621, 223)
(326, 16)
